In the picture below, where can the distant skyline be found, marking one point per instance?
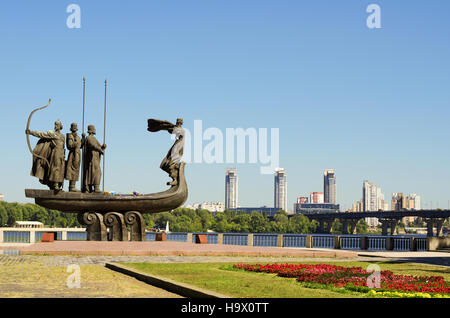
(372, 104)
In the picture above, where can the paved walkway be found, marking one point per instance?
(58, 260)
(98, 253)
(173, 249)
(434, 258)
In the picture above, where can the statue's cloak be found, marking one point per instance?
(155, 125)
(40, 166)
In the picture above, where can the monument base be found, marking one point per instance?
(113, 226)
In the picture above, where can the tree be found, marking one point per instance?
(243, 222)
(206, 219)
(280, 223)
(362, 227)
(313, 226)
(300, 224)
(220, 223)
(337, 227)
(161, 219)
(3, 215)
(184, 224)
(258, 223)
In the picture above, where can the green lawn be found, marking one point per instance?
(224, 279)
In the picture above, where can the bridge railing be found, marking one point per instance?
(323, 241)
(421, 243)
(350, 242)
(376, 243)
(402, 243)
(294, 240)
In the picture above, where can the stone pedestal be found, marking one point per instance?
(113, 226)
(137, 225)
(116, 225)
(94, 222)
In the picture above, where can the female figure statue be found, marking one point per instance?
(171, 163)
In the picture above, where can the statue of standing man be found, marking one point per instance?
(50, 147)
(74, 145)
(94, 151)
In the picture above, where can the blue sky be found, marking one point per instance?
(371, 103)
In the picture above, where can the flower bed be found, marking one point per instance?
(354, 278)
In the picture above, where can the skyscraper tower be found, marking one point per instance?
(231, 189)
(329, 186)
(280, 193)
(373, 200)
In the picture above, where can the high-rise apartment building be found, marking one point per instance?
(231, 188)
(400, 202)
(373, 200)
(357, 207)
(329, 186)
(280, 189)
(416, 199)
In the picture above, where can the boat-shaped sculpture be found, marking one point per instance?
(76, 202)
(122, 214)
(106, 216)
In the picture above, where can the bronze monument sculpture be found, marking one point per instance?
(74, 145)
(92, 172)
(107, 216)
(50, 147)
(171, 163)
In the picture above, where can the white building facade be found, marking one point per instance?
(231, 188)
(373, 200)
(280, 189)
(210, 206)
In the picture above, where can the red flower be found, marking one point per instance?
(340, 276)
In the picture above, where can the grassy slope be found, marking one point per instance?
(222, 278)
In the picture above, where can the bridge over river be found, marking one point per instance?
(388, 219)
